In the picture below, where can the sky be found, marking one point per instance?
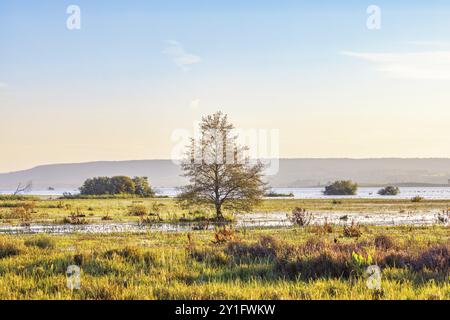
(137, 72)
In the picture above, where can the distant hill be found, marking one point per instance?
(292, 172)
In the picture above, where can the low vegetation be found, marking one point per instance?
(230, 264)
(273, 194)
(417, 199)
(300, 217)
(98, 210)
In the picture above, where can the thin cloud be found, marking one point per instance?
(429, 43)
(432, 65)
(3, 85)
(180, 56)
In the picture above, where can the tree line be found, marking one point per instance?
(139, 186)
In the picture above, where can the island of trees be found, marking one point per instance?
(389, 191)
(341, 188)
(138, 186)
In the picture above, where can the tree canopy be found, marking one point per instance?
(117, 185)
(341, 188)
(389, 191)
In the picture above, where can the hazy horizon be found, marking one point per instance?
(136, 72)
(282, 158)
(290, 172)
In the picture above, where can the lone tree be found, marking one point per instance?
(23, 188)
(219, 174)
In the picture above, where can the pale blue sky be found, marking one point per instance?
(137, 70)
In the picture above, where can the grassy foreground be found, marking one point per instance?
(295, 263)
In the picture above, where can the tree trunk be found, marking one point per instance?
(219, 214)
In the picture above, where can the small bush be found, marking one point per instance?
(137, 210)
(107, 218)
(417, 199)
(300, 217)
(326, 228)
(360, 263)
(326, 264)
(436, 259)
(208, 256)
(75, 219)
(224, 234)
(41, 242)
(8, 249)
(22, 213)
(266, 247)
(384, 242)
(352, 231)
(444, 217)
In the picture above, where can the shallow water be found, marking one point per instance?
(436, 193)
(254, 220)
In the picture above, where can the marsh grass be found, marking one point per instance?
(51, 210)
(258, 264)
(8, 249)
(42, 242)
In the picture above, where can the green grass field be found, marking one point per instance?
(314, 262)
(257, 264)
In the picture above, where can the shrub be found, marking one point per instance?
(444, 217)
(23, 213)
(8, 249)
(266, 247)
(75, 219)
(389, 191)
(352, 231)
(324, 229)
(384, 242)
(300, 217)
(436, 258)
(107, 217)
(137, 210)
(360, 263)
(324, 264)
(41, 242)
(341, 188)
(318, 259)
(417, 199)
(208, 256)
(224, 234)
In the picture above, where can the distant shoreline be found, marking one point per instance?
(371, 192)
